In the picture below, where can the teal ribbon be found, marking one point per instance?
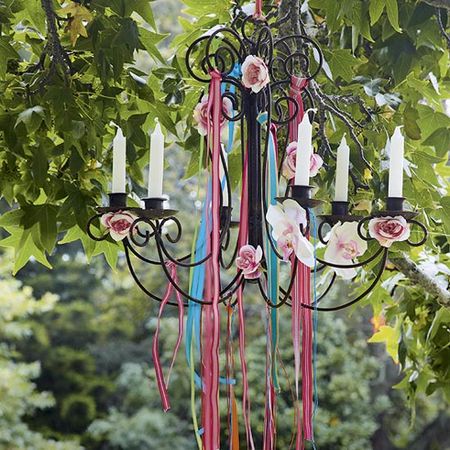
(271, 257)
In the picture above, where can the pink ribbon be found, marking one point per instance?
(301, 317)
(242, 240)
(210, 355)
(258, 9)
(163, 385)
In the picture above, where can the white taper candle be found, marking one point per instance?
(304, 151)
(119, 162)
(342, 167)
(397, 149)
(156, 168)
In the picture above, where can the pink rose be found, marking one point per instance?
(118, 223)
(201, 114)
(249, 261)
(291, 158)
(387, 230)
(255, 74)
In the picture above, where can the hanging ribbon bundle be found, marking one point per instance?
(301, 317)
(211, 315)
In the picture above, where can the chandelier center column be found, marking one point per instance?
(255, 214)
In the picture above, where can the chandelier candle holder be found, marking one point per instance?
(256, 80)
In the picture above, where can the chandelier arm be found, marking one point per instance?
(156, 233)
(138, 281)
(127, 243)
(286, 293)
(233, 257)
(225, 293)
(330, 285)
(360, 296)
(352, 266)
(180, 261)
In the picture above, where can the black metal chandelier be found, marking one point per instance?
(223, 49)
(263, 119)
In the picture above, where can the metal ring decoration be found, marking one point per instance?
(288, 57)
(133, 232)
(167, 235)
(365, 237)
(89, 231)
(422, 229)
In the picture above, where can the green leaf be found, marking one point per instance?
(392, 13)
(31, 118)
(149, 41)
(410, 116)
(110, 250)
(143, 8)
(445, 203)
(440, 140)
(441, 317)
(7, 52)
(39, 167)
(391, 337)
(376, 8)
(11, 218)
(47, 226)
(25, 246)
(342, 63)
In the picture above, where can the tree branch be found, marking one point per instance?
(417, 276)
(53, 49)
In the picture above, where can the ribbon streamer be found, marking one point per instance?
(211, 319)
(163, 384)
(301, 317)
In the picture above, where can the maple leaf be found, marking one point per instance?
(391, 337)
(78, 17)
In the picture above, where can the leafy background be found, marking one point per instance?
(75, 364)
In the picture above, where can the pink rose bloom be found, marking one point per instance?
(255, 74)
(249, 261)
(387, 230)
(289, 162)
(344, 245)
(201, 114)
(118, 224)
(286, 221)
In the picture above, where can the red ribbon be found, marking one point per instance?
(163, 385)
(296, 90)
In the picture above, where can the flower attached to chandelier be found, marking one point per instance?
(387, 230)
(344, 245)
(201, 114)
(255, 74)
(289, 162)
(286, 221)
(118, 224)
(249, 261)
